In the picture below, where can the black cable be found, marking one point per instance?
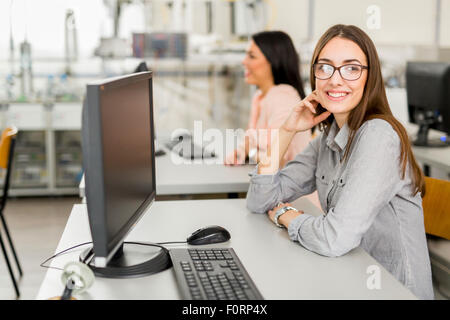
(60, 253)
(172, 242)
(159, 244)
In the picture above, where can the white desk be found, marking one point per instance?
(195, 178)
(434, 157)
(280, 268)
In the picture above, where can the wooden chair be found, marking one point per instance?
(436, 209)
(7, 143)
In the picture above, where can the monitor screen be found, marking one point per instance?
(428, 95)
(118, 158)
(127, 154)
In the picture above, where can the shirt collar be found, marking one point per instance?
(337, 137)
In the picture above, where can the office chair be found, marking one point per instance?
(436, 211)
(7, 144)
(436, 207)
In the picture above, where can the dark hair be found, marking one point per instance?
(279, 50)
(373, 104)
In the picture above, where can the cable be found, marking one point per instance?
(171, 242)
(159, 244)
(60, 253)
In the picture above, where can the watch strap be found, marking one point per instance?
(280, 212)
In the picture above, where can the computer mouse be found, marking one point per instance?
(208, 235)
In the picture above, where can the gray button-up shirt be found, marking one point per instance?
(367, 203)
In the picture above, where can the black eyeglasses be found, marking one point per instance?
(351, 72)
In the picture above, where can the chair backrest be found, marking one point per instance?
(7, 143)
(436, 207)
(8, 135)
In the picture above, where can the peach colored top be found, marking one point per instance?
(270, 112)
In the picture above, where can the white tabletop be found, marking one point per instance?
(434, 157)
(175, 175)
(280, 268)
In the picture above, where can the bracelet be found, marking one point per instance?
(280, 212)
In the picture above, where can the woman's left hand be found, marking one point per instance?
(286, 217)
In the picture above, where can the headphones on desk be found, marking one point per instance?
(77, 277)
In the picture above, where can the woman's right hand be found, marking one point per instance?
(303, 117)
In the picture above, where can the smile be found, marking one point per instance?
(337, 96)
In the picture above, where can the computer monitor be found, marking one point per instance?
(119, 164)
(428, 95)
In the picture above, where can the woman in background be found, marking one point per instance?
(273, 65)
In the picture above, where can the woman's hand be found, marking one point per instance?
(236, 157)
(286, 217)
(303, 117)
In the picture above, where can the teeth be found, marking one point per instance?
(337, 94)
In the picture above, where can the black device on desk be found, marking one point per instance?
(209, 235)
(428, 95)
(184, 146)
(119, 163)
(212, 274)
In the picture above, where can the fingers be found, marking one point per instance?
(310, 106)
(313, 97)
(310, 102)
(321, 117)
(232, 159)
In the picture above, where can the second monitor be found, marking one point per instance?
(428, 94)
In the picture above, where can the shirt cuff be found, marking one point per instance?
(263, 178)
(296, 224)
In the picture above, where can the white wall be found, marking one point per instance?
(402, 22)
(44, 24)
(291, 17)
(444, 38)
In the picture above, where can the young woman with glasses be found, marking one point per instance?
(362, 166)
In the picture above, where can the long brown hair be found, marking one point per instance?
(373, 104)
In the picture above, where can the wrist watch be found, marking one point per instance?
(280, 212)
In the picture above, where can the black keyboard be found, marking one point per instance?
(212, 274)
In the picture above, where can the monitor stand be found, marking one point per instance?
(132, 262)
(423, 140)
